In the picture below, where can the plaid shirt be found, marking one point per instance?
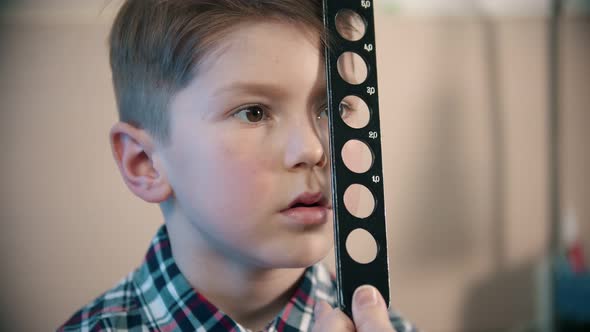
(157, 297)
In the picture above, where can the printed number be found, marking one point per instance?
(376, 178)
(366, 4)
(373, 134)
(371, 90)
(368, 47)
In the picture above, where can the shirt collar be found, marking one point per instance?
(174, 304)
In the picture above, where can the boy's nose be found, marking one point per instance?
(304, 146)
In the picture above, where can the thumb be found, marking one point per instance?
(369, 311)
(328, 319)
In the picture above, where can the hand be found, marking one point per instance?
(368, 311)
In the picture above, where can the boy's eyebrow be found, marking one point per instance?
(252, 87)
(319, 92)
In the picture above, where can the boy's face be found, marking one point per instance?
(248, 137)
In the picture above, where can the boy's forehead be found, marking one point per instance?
(269, 40)
(255, 87)
(267, 57)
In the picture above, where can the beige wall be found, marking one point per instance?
(463, 106)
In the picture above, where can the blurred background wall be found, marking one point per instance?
(464, 98)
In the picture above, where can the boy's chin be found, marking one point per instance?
(303, 262)
(302, 257)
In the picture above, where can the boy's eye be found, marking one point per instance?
(343, 108)
(323, 114)
(252, 114)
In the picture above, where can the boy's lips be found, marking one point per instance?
(308, 209)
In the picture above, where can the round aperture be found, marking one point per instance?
(357, 156)
(350, 25)
(354, 112)
(359, 201)
(361, 246)
(352, 68)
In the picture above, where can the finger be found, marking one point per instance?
(328, 319)
(321, 309)
(369, 311)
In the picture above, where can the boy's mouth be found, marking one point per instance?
(310, 200)
(308, 209)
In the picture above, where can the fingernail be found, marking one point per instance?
(365, 296)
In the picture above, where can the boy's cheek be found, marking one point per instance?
(242, 172)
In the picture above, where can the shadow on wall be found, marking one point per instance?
(487, 304)
(447, 218)
(505, 299)
(441, 223)
(444, 226)
(6, 4)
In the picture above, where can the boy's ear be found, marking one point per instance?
(133, 150)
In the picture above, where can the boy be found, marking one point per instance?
(223, 124)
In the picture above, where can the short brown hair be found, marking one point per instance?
(156, 46)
